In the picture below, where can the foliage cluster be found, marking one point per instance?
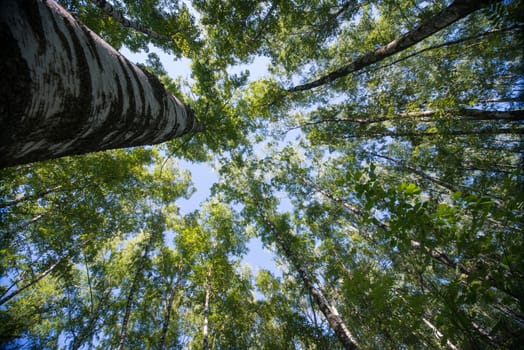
(397, 211)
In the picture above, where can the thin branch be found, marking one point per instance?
(489, 131)
(469, 114)
(133, 290)
(34, 281)
(29, 197)
(119, 17)
(7, 235)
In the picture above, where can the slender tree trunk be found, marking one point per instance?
(133, 290)
(488, 131)
(434, 253)
(89, 329)
(421, 174)
(473, 114)
(64, 91)
(6, 236)
(516, 27)
(34, 281)
(438, 334)
(457, 10)
(205, 327)
(30, 197)
(169, 309)
(334, 320)
(427, 116)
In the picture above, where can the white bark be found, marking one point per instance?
(438, 335)
(66, 91)
(205, 326)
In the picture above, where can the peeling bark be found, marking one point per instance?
(64, 91)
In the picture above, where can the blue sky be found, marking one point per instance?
(202, 174)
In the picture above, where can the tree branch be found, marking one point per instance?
(456, 11)
(119, 17)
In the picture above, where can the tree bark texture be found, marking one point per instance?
(454, 12)
(64, 91)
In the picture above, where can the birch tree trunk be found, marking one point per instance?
(205, 327)
(133, 291)
(64, 91)
(169, 309)
(4, 298)
(454, 12)
(34, 281)
(89, 328)
(333, 318)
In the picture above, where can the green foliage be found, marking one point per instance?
(401, 199)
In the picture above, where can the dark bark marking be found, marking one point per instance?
(15, 91)
(190, 116)
(63, 39)
(77, 109)
(116, 109)
(29, 9)
(128, 121)
(92, 45)
(160, 95)
(144, 120)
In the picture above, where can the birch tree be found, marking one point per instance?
(65, 91)
(446, 17)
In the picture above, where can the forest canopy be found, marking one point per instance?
(379, 158)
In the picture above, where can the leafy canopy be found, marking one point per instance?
(394, 190)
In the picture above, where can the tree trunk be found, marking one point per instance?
(64, 91)
(205, 327)
(8, 235)
(333, 318)
(427, 116)
(457, 10)
(434, 253)
(169, 309)
(438, 334)
(516, 130)
(133, 290)
(89, 328)
(6, 298)
(37, 195)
